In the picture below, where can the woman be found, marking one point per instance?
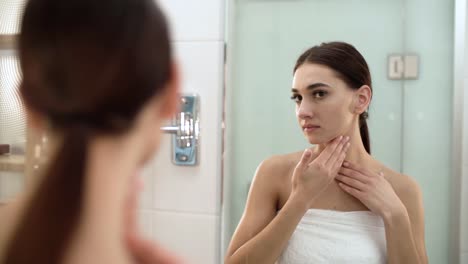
(333, 203)
(100, 76)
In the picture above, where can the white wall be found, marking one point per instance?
(181, 206)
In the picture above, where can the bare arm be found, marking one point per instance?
(261, 234)
(405, 229)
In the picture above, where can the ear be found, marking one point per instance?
(170, 103)
(363, 97)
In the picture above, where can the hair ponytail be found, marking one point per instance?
(88, 66)
(364, 131)
(54, 210)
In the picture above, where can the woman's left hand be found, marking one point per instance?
(372, 189)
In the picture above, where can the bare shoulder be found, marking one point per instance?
(279, 166)
(274, 173)
(407, 189)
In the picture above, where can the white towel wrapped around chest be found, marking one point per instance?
(326, 236)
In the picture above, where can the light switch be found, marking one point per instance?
(411, 66)
(403, 67)
(395, 67)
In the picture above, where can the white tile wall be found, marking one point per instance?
(180, 206)
(195, 189)
(201, 20)
(145, 223)
(192, 234)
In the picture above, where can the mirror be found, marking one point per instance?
(410, 119)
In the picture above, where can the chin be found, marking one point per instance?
(317, 140)
(314, 140)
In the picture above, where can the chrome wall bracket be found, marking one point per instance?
(185, 130)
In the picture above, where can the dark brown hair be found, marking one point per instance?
(88, 66)
(350, 66)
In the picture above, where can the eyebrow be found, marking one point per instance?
(312, 87)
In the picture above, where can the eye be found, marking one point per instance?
(319, 94)
(297, 98)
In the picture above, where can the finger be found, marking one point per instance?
(354, 174)
(326, 153)
(336, 167)
(339, 160)
(352, 191)
(360, 169)
(351, 182)
(305, 159)
(336, 160)
(329, 149)
(336, 153)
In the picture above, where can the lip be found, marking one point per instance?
(310, 128)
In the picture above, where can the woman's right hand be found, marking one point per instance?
(312, 176)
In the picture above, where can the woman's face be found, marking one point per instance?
(324, 103)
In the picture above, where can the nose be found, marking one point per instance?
(304, 111)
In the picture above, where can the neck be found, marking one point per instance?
(111, 164)
(357, 152)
